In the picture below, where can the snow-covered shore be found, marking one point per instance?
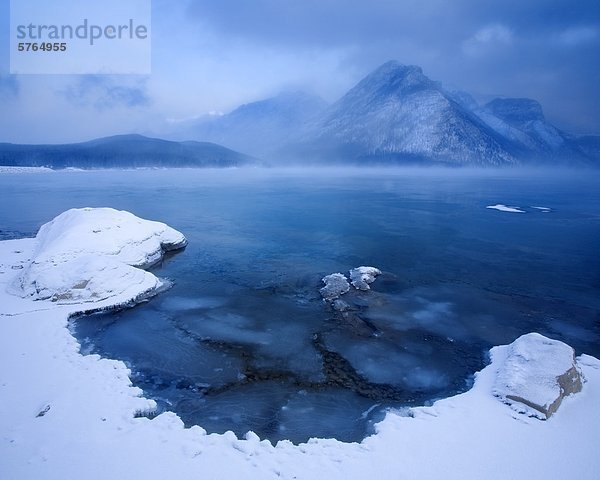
(65, 415)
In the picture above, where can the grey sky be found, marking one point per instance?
(211, 55)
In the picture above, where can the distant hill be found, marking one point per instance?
(258, 128)
(122, 151)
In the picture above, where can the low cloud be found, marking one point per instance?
(104, 92)
(488, 38)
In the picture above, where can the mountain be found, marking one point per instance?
(589, 145)
(122, 151)
(260, 127)
(397, 114)
(521, 121)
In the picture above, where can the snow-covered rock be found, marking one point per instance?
(92, 254)
(361, 277)
(537, 375)
(336, 285)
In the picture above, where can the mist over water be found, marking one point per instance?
(243, 340)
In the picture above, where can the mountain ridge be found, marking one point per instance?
(122, 151)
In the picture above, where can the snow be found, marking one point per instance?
(536, 374)
(10, 169)
(336, 284)
(92, 254)
(361, 277)
(65, 415)
(504, 208)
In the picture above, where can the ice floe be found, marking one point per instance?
(505, 208)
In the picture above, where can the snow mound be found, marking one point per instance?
(92, 254)
(361, 277)
(537, 374)
(504, 208)
(336, 285)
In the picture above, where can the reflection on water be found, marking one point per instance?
(243, 340)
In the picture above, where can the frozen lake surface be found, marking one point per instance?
(243, 340)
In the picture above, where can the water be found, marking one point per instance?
(243, 341)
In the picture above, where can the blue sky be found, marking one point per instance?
(210, 56)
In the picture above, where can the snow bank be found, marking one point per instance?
(504, 208)
(94, 254)
(537, 375)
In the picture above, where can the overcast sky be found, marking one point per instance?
(212, 55)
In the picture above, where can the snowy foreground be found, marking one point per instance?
(65, 415)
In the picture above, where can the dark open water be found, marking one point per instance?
(243, 341)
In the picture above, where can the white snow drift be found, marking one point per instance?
(92, 254)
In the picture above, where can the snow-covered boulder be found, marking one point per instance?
(537, 375)
(92, 254)
(361, 277)
(336, 285)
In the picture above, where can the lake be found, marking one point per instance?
(243, 341)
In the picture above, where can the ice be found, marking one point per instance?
(456, 312)
(324, 414)
(382, 361)
(504, 208)
(161, 350)
(174, 303)
(543, 209)
(225, 327)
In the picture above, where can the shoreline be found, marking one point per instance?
(64, 411)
